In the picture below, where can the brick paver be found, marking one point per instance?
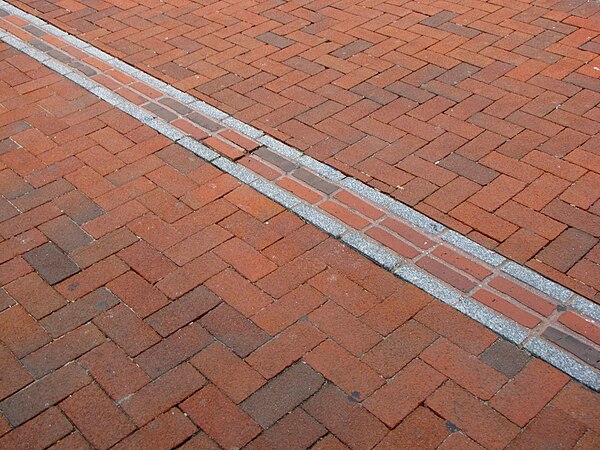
(484, 116)
(141, 345)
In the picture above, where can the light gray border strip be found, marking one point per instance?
(371, 249)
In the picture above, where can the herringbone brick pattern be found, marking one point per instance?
(483, 115)
(147, 301)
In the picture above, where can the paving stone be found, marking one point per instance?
(52, 264)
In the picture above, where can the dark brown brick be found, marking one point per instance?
(52, 264)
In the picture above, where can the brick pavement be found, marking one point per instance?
(120, 326)
(482, 115)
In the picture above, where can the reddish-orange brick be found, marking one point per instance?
(221, 418)
(465, 369)
(228, 372)
(245, 259)
(344, 328)
(524, 396)
(287, 347)
(162, 394)
(83, 407)
(459, 329)
(479, 421)
(413, 384)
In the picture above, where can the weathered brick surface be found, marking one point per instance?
(228, 321)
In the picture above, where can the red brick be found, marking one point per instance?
(452, 194)
(465, 369)
(522, 245)
(346, 418)
(522, 295)
(343, 213)
(421, 429)
(194, 273)
(553, 165)
(526, 218)
(392, 242)
(356, 267)
(20, 332)
(484, 222)
(497, 192)
(89, 182)
(294, 244)
(551, 427)
(228, 372)
(146, 261)
(354, 377)
(37, 397)
(166, 431)
(114, 371)
(73, 441)
(282, 394)
(344, 328)
(114, 219)
(473, 417)
(238, 292)
(396, 309)
(156, 232)
(399, 348)
(291, 275)
(94, 413)
(139, 295)
(524, 396)
(245, 259)
(28, 220)
(344, 292)
(287, 347)
(392, 403)
(39, 433)
(164, 205)
(580, 403)
(210, 191)
(283, 312)
(22, 243)
(173, 350)
(182, 311)
(162, 394)
(127, 330)
(220, 418)
(42, 195)
(255, 204)
(300, 190)
(14, 376)
(408, 233)
(197, 244)
(295, 430)
(330, 442)
(580, 325)
(506, 308)
(446, 273)
(35, 295)
(259, 235)
(359, 205)
(458, 441)
(200, 441)
(539, 193)
(63, 350)
(464, 332)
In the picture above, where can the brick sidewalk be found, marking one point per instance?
(481, 115)
(149, 300)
